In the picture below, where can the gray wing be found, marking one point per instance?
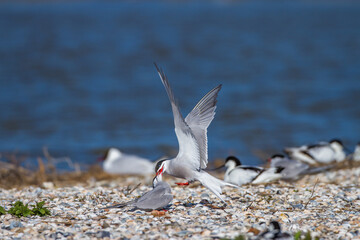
(157, 198)
(316, 170)
(199, 120)
(188, 146)
(292, 168)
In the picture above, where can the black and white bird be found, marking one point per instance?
(191, 133)
(320, 153)
(294, 169)
(274, 233)
(158, 198)
(238, 174)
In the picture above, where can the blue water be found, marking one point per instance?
(79, 77)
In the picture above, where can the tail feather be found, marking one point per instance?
(316, 170)
(213, 184)
(120, 205)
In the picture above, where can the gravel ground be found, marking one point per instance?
(327, 205)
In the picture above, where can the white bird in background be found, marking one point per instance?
(356, 155)
(320, 153)
(191, 133)
(158, 198)
(116, 162)
(239, 174)
(294, 169)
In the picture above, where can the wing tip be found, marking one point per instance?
(156, 66)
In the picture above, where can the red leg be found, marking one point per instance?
(182, 184)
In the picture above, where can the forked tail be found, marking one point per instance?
(213, 184)
(121, 205)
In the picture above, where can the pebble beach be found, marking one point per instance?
(327, 205)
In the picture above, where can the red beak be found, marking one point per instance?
(160, 171)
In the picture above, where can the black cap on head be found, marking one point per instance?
(103, 156)
(338, 141)
(153, 185)
(158, 165)
(278, 155)
(233, 158)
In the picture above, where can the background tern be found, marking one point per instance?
(294, 169)
(239, 174)
(320, 153)
(191, 133)
(158, 198)
(117, 162)
(355, 156)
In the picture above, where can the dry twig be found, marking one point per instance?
(312, 193)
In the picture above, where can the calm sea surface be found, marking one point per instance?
(79, 77)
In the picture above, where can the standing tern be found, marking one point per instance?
(117, 162)
(239, 174)
(158, 198)
(191, 133)
(320, 153)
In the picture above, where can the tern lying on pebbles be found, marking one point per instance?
(158, 198)
(191, 133)
(239, 174)
(293, 169)
(320, 153)
(117, 162)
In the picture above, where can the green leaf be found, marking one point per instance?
(240, 237)
(297, 235)
(2, 211)
(20, 210)
(308, 236)
(40, 210)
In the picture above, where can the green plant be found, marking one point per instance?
(239, 237)
(40, 210)
(306, 236)
(20, 210)
(297, 235)
(2, 211)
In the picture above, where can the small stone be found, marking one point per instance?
(105, 225)
(102, 234)
(15, 224)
